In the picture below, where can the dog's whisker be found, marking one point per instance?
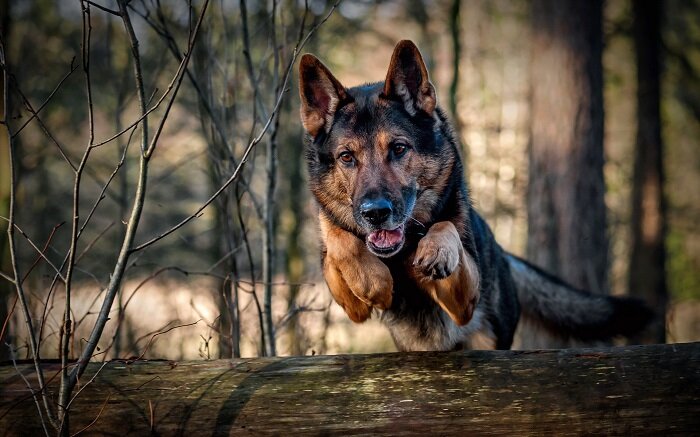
(422, 225)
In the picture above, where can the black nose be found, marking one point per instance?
(376, 211)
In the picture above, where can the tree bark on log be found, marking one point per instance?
(638, 390)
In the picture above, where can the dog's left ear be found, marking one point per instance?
(407, 80)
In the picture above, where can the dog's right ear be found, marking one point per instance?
(321, 94)
(407, 80)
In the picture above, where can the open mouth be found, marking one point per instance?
(386, 242)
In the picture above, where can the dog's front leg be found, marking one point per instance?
(445, 271)
(357, 279)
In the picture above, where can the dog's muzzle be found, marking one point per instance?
(387, 238)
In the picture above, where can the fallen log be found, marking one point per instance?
(634, 390)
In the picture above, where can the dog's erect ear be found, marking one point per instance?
(321, 94)
(407, 80)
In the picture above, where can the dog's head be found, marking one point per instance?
(373, 150)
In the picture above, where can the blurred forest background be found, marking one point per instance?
(246, 270)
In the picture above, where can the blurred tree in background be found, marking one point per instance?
(242, 278)
(647, 269)
(566, 221)
(566, 210)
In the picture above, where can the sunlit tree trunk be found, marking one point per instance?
(647, 272)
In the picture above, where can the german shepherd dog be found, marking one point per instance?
(399, 233)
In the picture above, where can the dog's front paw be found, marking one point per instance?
(447, 273)
(361, 273)
(437, 255)
(369, 279)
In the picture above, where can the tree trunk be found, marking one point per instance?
(647, 269)
(639, 390)
(566, 208)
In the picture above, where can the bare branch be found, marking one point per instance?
(35, 113)
(43, 126)
(150, 342)
(26, 275)
(251, 145)
(86, 384)
(99, 413)
(94, 241)
(133, 293)
(29, 387)
(174, 85)
(43, 250)
(104, 8)
(8, 278)
(117, 274)
(67, 328)
(138, 74)
(40, 252)
(12, 243)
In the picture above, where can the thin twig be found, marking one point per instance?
(29, 386)
(75, 396)
(43, 126)
(26, 275)
(104, 8)
(99, 413)
(133, 293)
(94, 241)
(35, 113)
(40, 252)
(148, 345)
(8, 278)
(43, 250)
(151, 416)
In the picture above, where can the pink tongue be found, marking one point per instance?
(384, 238)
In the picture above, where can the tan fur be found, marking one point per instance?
(361, 276)
(458, 293)
(433, 177)
(481, 341)
(383, 140)
(356, 310)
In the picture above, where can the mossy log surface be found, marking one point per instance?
(638, 390)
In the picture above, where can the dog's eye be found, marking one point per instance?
(399, 149)
(346, 158)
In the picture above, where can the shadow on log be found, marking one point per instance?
(635, 390)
